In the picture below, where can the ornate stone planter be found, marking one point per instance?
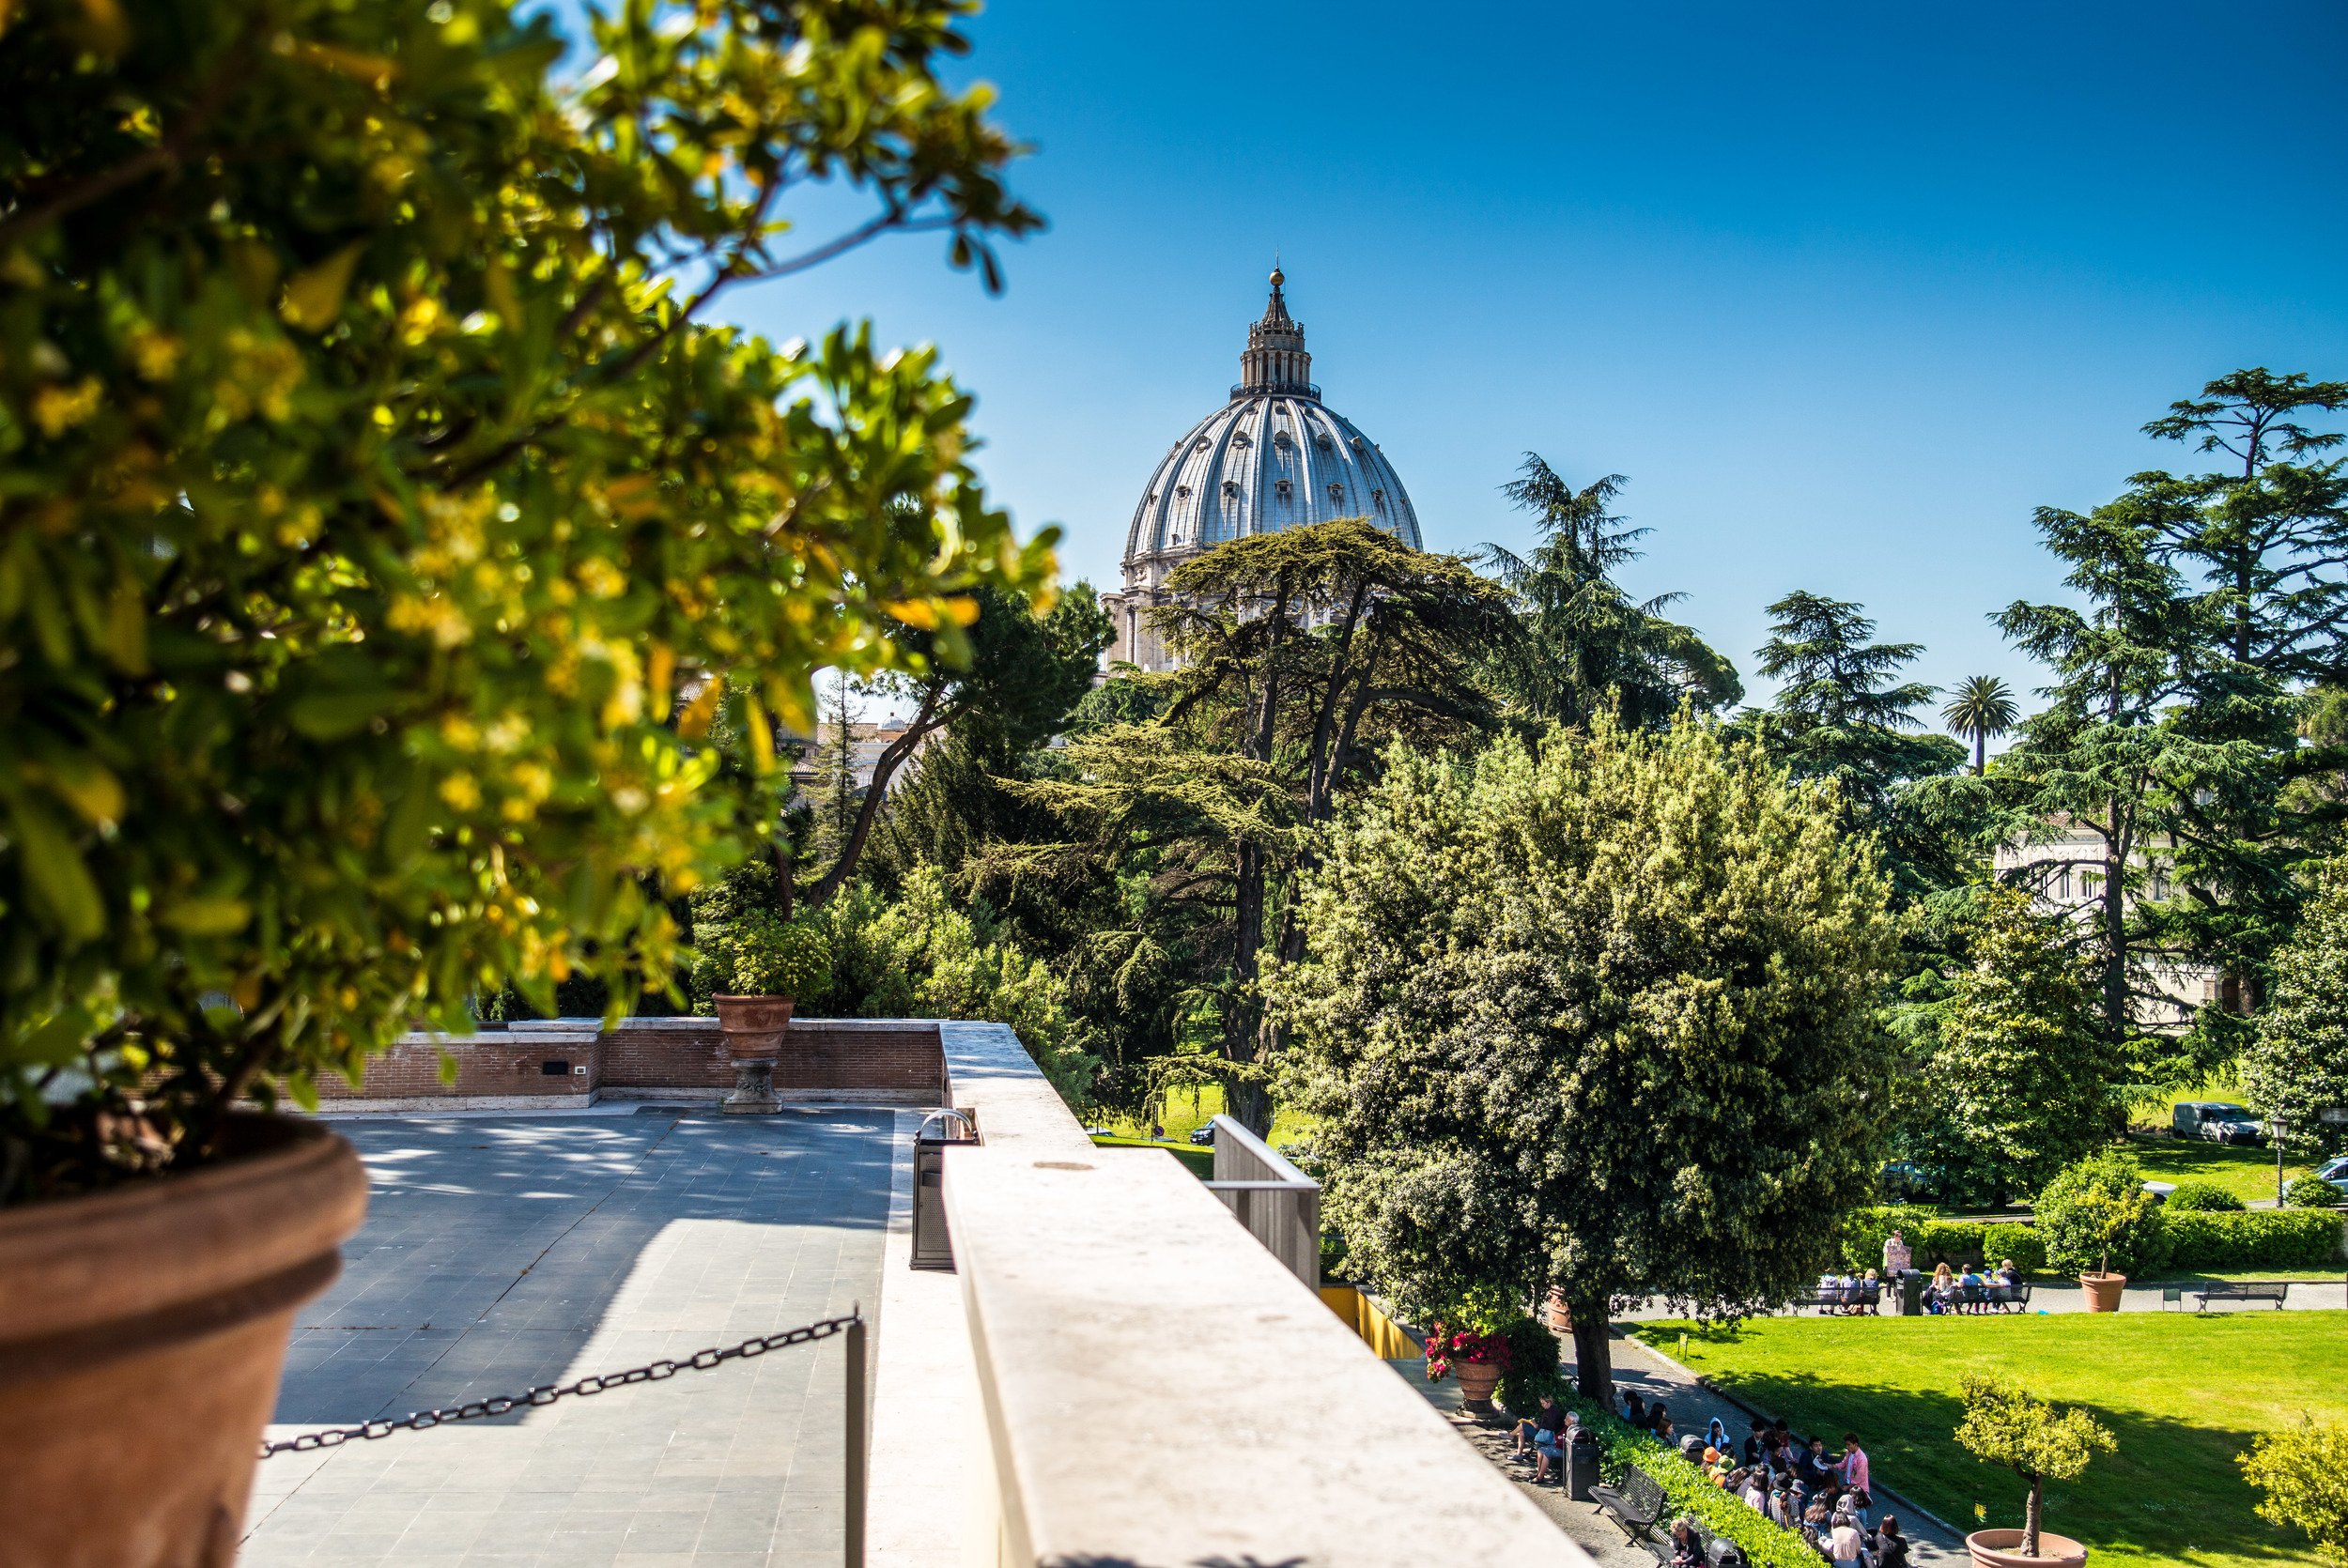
(2002, 1548)
(142, 1333)
(1477, 1379)
(2103, 1291)
(754, 1027)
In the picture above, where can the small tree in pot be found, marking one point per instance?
(381, 543)
(2006, 1425)
(2098, 1222)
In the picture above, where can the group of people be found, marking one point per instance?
(1952, 1292)
(1849, 1294)
(1822, 1497)
(1972, 1291)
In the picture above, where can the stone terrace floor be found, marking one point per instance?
(500, 1252)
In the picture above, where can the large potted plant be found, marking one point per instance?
(379, 553)
(1478, 1359)
(2006, 1425)
(2098, 1222)
(754, 968)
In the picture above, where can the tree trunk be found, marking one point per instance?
(2115, 919)
(2030, 1518)
(1593, 1351)
(1249, 1103)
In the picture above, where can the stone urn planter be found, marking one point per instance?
(142, 1333)
(1477, 1379)
(2103, 1291)
(754, 1027)
(1560, 1315)
(2002, 1548)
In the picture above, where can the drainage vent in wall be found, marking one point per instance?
(554, 1070)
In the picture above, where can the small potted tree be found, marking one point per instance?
(2006, 1425)
(754, 968)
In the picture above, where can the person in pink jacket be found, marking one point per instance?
(1853, 1470)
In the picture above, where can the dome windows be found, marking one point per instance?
(1336, 494)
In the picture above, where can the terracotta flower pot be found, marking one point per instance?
(754, 1025)
(1560, 1315)
(2103, 1291)
(1477, 1379)
(142, 1333)
(2002, 1548)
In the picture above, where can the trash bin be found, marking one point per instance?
(1581, 1466)
(1911, 1293)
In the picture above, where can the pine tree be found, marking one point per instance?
(832, 792)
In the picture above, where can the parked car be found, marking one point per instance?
(1906, 1178)
(2160, 1190)
(1202, 1134)
(2334, 1170)
(2218, 1122)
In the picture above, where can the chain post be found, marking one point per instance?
(854, 1532)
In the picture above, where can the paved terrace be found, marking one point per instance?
(508, 1251)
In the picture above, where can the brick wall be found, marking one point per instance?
(891, 1059)
(489, 1064)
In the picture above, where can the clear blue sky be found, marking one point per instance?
(1846, 291)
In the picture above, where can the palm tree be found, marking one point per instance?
(1984, 709)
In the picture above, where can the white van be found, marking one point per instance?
(2218, 1122)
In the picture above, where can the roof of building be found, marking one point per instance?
(1271, 457)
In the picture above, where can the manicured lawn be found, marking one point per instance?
(2247, 1173)
(1186, 1109)
(1199, 1158)
(2182, 1394)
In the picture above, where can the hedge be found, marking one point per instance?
(2262, 1238)
(2200, 1240)
(1687, 1490)
(1933, 1239)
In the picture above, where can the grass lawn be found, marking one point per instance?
(2182, 1395)
(1186, 1109)
(2247, 1173)
(1199, 1158)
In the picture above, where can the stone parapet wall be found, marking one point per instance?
(572, 1060)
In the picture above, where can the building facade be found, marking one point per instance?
(1273, 456)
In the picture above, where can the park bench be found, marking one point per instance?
(1719, 1550)
(1998, 1296)
(1834, 1301)
(2243, 1290)
(1635, 1505)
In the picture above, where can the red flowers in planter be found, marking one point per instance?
(1446, 1349)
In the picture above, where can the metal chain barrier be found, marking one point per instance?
(703, 1360)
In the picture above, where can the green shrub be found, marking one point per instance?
(758, 954)
(2099, 1208)
(2310, 1192)
(2268, 1238)
(2203, 1197)
(1864, 1231)
(1687, 1490)
(1933, 1239)
(1532, 1359)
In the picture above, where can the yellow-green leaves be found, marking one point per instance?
(314, 295)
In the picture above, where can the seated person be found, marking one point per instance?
(1550, 1448)
(1813, 1465)
(1753, 1443)
(1940, 1295)
(2007, 1279)
(1634, 1408)
(1686, 1551)
(1550, 1418)
(1871, 1289)
(1974, 1289)
(1891, 1546)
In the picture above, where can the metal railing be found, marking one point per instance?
(1279, 1204)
